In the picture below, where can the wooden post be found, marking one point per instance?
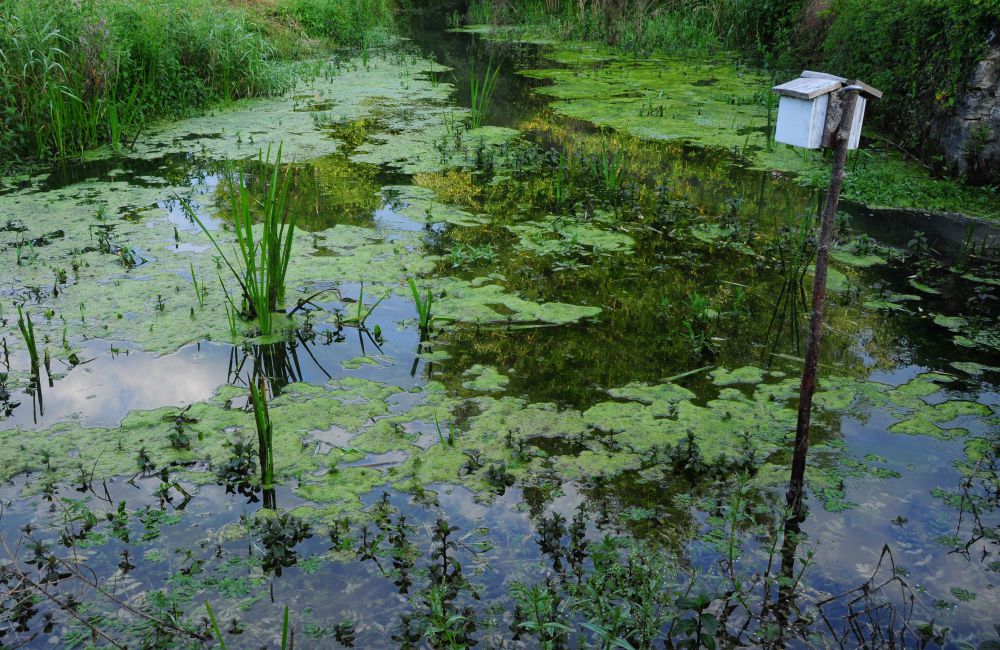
(842, 117)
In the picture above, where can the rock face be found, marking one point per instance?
(969, 134)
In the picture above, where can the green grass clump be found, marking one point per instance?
(481, 93)
(77, 75)
(643, 26)
(261, 260)
(424, 315)
(346, 22)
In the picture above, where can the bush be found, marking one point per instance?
(346, 22)
(920, 52)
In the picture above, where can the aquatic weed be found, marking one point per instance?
(28, 333)
(425, 317)
(260, 265)
(481, 92)
(265, 441)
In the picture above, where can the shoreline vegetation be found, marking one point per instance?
(83, 75)
(79, 75)
(780, 38)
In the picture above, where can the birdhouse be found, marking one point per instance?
(806, 103)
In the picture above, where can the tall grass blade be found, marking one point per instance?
(424, 314)
(215, 626)
(28, 332)
(265, 440)
(287, 636)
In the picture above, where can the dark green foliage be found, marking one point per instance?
(642, 26)
(237, 472)
(348, 22)
(919, 52)
(278, 536)
(75, 75)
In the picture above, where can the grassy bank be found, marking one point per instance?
(76, 75)
(642, 26)
(919, 52)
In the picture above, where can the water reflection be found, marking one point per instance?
(111, 380)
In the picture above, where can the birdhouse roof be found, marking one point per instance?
(812, 84)
(866, 91)
(807, 87)
(812, 74)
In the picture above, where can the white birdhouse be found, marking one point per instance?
(802, 110)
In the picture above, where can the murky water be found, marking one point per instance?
(592, 324)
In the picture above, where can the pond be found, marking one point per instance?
(532, 384)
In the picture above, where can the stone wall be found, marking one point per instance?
(969, 134)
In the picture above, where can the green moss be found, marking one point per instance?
(920, 286)
(357, 362)
(421, 205)
(891, 302)
(836, 281)
(987, 338)
(854, 259)
(973, 368)
(953, 323)
(428, 138)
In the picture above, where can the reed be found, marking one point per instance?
(28, 333)
(265, 438)
(424, 305)
(287, 631)
(215, 626)
(481, 92)
(199, 287)
(259, 264)
(608, 166)
(364, 311)
(78, 75)
(448, 441)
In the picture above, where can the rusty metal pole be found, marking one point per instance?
(839, 136)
